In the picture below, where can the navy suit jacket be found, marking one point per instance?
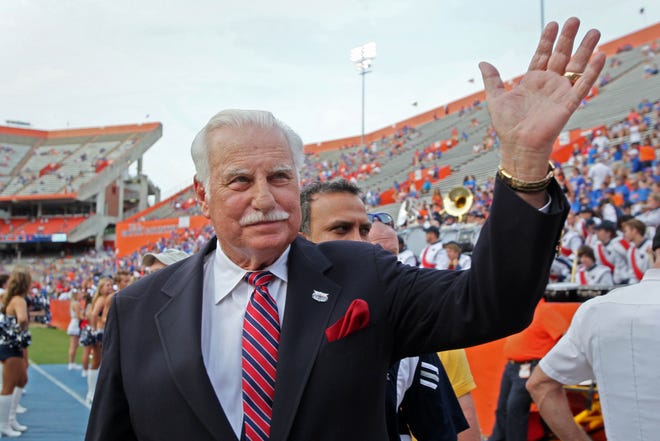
(153, 384)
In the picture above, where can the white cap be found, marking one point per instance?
(167, 257)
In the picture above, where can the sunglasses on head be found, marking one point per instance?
(382, 218)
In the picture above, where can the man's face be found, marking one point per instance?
(452, 253)
(123, 281)
(252, 199)
(628, 233)
(603, 235)
(338, 216)
(385, 236)
(431, 237)
(587, 261)
(157, 265)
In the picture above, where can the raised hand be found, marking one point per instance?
(529, 117)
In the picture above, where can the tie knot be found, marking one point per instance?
(258, 279)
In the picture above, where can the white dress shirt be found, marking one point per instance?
(614, 340)
(225, 298)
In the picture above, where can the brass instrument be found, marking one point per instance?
(458, 201)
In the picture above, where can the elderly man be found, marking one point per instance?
(264, 335)
(613, 339)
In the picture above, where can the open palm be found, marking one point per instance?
(529, 117)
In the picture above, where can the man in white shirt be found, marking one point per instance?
(613, 339)
(639, 251)
(433, 255)
(612, 251)
(598, 172)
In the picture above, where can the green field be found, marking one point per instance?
(50, 346)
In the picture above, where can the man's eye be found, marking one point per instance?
(281, 176)
(364, 231)
(239, 181)
(340, 230)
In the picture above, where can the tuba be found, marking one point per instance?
(458, 201)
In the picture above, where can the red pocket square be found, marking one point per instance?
(356, 318)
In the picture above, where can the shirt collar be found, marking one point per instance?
(228, 275)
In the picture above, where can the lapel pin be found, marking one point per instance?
(320, 296)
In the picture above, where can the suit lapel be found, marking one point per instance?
(302, 331)
(179, 327)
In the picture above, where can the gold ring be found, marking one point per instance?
(573, 77)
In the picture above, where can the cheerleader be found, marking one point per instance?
(73, 330)
(98, 303)
(86, 339)
(14, 339)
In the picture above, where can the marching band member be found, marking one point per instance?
(612, 251)
(639, 253)
(572, 239)
(433, 255)
(455, 259)
(590, 272)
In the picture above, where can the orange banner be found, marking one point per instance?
(59, 311)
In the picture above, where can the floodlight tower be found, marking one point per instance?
(362, 57)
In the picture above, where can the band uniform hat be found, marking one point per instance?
(432, 229)
(167, 257)
(607, 225)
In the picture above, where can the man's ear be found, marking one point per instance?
(202, 198)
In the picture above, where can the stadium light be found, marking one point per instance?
(362, 58)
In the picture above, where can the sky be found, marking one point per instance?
(88, 63)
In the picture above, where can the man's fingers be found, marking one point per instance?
(579, 61)
(593, 69)
(492, 82)
(544, 48)
(564, 47)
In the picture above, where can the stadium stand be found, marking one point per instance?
(70, 185)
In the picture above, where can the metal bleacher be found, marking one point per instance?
(10, 156)
(626, 90)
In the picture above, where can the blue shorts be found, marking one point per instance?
(10, 351)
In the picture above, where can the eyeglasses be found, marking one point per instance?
(382, 218)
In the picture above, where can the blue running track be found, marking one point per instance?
(55, 399)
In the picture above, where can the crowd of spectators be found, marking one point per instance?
(60, 277)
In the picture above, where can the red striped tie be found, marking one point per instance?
(261, 335)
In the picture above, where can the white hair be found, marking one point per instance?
(238, 118)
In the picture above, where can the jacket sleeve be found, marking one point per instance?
(432, 310)
(109, 419)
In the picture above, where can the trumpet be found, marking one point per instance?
(458, 201)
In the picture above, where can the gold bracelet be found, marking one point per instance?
(526, 186)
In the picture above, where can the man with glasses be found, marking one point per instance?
(419, 396)
(384, 218)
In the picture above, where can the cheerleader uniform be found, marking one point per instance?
(74, 324)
